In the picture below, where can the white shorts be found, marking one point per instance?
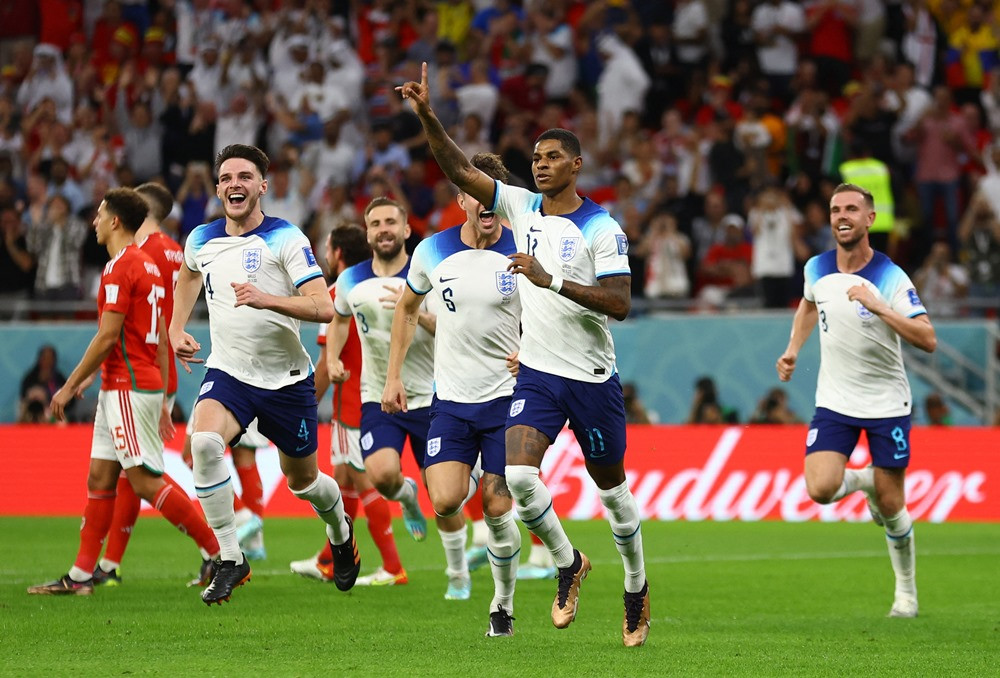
(127, 429)
(345, 446)
(252, 438)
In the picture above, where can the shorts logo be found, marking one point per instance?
(506, 283)
(433, 446)
(206, 387)
(811, 437)
(568, 247)
(251, 259)
(367, 440)
(310, 257)
(863, 312)
(914, 299)
(516, 407)
(622, 241)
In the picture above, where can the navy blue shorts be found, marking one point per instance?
(285, 416)
(596, 412)
(379, 430)
(888, 439)
(460, 431)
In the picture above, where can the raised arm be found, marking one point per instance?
(447, 154)
(404, 327)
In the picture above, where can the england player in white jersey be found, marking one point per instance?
(369, 291)
(478, 329)
(573, 257)
(260, 279)
(863, 304)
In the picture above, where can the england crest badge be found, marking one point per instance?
(251, 259)
(506, 283)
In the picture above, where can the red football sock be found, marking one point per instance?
(474, 507)
(126, 512)
(380, 527)
(253, 490)
(97, 517)
(178, 509)
(326, 555)
(237, 502)
(351, 501)
(534, 539)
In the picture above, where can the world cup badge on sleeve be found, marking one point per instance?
(506, 283)
(251, 259)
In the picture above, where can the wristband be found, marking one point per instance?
(556, 284)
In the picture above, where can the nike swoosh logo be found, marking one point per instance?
(203, 264)
(534, 230)
(900, 456)
(444, 280)
(301, 447)
(358, 305)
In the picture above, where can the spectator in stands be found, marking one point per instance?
(979, 234)
(56, 242)
(194, 195)
(989, 99)
(921, 41)
(909, 100)
(621, 87)
(936, 409)
(286, 198)
(863, 169)
(973, 49)
(38, 385)
(777, 25)
(941, 136)
(773, 222)
(706, 407)
(47, 79)
(773, 409)
(710, 228)
(635, 411)
(691, 29)
(61, 183)
(667, 251)
(942, 284)
(830, 30)
(551, 44)
(725, 271)
(17, 265)
(381, 152)
(141, 133)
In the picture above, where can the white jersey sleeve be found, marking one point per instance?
(861, 370)
(259, 347)
(560, 336)
(359, 291)
(478, 314)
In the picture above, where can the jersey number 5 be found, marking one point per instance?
(155, 294)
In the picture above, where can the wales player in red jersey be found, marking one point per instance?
(132, 419)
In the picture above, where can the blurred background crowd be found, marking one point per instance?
(713, 130)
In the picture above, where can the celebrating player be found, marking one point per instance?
(345, 247)
(863, 303)
(575, 259)
(478, 330)
(261, 279)
(369, 291)
(132, 419)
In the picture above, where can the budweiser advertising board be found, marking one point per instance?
(676, 473)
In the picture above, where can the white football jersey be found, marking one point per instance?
(480, 312)
(358, 294)
(259, 347)
(861, 361)
(558, 335)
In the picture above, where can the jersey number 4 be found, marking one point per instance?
(153, 298)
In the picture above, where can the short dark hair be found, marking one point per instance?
(252, 153)
(160, 200)
(854, 188)
(382, 201)
(353, 243)
(492, 165)
(126, 204)
(569, 141)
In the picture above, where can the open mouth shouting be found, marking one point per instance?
(236, 198)
(487, 219)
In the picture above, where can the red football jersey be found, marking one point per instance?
(131, 285)
(168, 257)
(347, 396)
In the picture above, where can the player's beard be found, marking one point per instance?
(391, 253)
(853, 239)
(249, 205)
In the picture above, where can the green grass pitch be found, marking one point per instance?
(728, 599)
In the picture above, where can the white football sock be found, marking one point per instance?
(534, 508)
(324, 495)
(540, 556)
(214, 488)
(454, 552)
(902, 551)
(856, 479)
(623, 514)
(503, 544)
(480, 533)
(108, 565)
(407, 496)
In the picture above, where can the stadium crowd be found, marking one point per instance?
(713, 130)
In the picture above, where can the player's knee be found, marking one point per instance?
(446, 504)
(207, 447)
(495, 505)
(301, 479)
(822, 492)
(522, 481)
